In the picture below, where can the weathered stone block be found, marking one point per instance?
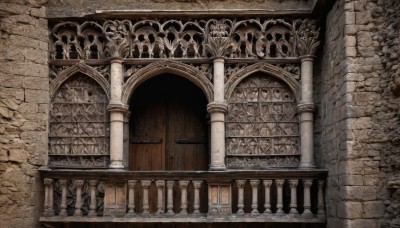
(350, 210)
(350, 18)
(17, 155)
(363, 193)
(36, 96)
(36, 83)
(373, 209)
(353, 180)
(350, 41)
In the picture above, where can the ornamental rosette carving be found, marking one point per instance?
(307, 37)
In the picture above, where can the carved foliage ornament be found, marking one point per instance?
(251, 38)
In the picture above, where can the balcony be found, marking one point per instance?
(272, 196)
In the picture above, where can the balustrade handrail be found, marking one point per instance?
(124, 175)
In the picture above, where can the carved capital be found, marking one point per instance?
(145, 183)
(279, 183)
(132, 183)
(217, 107)
(64, 182)
(240, 183)
(118, 107)
(218, 42)
(293, 183)
(183, 184)
(79, 183)
(254, 183)
(48, 181)
(307, 183)
(321, 183)
(160, 183)
(267, 183)
(170, 184)
(197, 184)
(117, 34)
(93, 183)
(307, 37)
(305, 108)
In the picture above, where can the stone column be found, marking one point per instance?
(267, 205)
(293, 196)
(93, 204)
(240, 184)
(125, 162)
(170, 198)
(306, 110)
(117, 110)
(183, 185)
(160, 196)
(78, 201)
(146, 185)
(63, 206)
(321, 209)
(217, 110)
(196, 204)
(254, 196)
(279, 204)
(307, 201)
(131, 197)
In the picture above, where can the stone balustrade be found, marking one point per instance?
(231, 196)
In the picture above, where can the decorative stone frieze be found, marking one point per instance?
(250, 38)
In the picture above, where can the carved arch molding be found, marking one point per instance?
(79, 124)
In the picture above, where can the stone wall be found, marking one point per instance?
(23, 109)
(358, 123)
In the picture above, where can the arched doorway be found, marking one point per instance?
(168, 125)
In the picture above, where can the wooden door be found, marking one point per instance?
(168, 126)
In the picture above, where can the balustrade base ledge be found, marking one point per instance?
(203, 218)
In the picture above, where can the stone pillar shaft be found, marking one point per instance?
(196, 204)
(63, 206)
(131, 197)
(240, 184)
(183, 185)
(267, 205)
(307, 198)
(279, 204)
(293, 196)
(160, 196)
(93, 204)
(146, 185)
(117, 110)
(170, 197)
(254, 196)
(306, 110)
(78, 202)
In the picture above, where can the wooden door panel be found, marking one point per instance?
(169, 127)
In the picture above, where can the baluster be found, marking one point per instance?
(131, 197)
(160, 196)
(48, 197)
(170, 197)
(240, 184)
(146, 185)
(321, 210)
(78, 202)
(279, 205)
(183, 185)
(267, 205)
(293, 196)
(196, 206)
(307, 202)
(63, 206)
(254, 185)
(93, 204)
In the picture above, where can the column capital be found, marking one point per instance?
(79, 183)
(240, 183)
(304, 58)
(145, 183)
(306, 107)
(132, 183)
(48, 181)
(267, 183)
(217, 107)
(116, 60)
(117, 107)
(219, 59)
(197, 183)
(93, 183)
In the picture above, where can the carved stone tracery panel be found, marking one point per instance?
(231, 38)
(262, 120)
(79, 125)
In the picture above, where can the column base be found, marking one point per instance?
(116, 165)
(306, 166)
(217, 168)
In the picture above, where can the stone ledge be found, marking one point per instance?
(271, 218)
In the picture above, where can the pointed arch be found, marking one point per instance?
(266, 68)
(191, 73)
(72, 71)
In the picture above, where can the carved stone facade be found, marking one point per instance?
(55, 53)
